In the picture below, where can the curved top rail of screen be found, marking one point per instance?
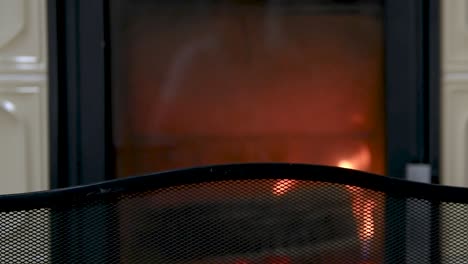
(228, 172)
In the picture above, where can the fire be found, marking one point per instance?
(367, 228)
(346, 164)
(359, 161)
(283, 186)
(363, 212)
(362, 207)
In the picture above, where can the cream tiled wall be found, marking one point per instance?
(454, 91)
(23, 96)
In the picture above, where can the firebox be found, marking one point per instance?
(247, 81)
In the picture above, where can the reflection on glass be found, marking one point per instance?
(206, 82)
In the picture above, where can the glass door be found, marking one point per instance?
(208, 82)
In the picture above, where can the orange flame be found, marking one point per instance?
(346, 164)
(362, 208)
(359, 161)
(283, 186)
(367, 228)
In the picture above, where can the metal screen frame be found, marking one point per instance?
(249, 171)
(396, 188)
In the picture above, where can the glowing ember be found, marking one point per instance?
(283, 186)
(362, 207)
(359, 161)
(346, 164)
(367, 228)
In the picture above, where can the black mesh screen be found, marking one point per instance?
(271, 221)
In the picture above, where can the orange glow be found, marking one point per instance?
(278, 260)
(283, 186)
(346, 164)
(359, 161)
(367, 228)
(362, 207)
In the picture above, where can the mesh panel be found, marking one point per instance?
(238, 222)
(24, 236)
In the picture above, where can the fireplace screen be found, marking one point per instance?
(208, 82)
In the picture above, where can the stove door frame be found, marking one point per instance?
(79, 67)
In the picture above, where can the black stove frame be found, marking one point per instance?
(80, 95)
